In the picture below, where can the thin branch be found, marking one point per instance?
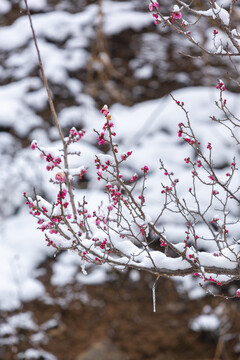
(52, 108)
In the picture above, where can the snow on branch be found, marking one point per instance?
(225, 43)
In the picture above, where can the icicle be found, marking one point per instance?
(154, 296)
(154, 293)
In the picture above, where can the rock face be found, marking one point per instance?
(102, 350)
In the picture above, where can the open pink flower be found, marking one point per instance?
(150, 6)
(176, 13)
(60, 177)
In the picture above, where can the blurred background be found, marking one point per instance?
(96, 53)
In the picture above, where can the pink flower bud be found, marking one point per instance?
(33, 145)
(104, 110)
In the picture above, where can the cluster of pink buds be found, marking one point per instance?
(103, 244)
(142, 229)
(220, 85)
(212, 280)
(35, 212)
(61, 196)
(167, 189)
(156, 17)
(145, 169)
(180, 104)
(103, 167)
(52, 162)
(50, 243)
(215, 192)
(115, 194)
(187, 232)
(30, 203)
(75, 135)
(82, 173)
(125, 156)
(180, 131)
(192, 141)
(106, 127)
(238, 293)
(56, 219)
(44, 227)
(53, 231)
(192, 257)
(99, 173)
(174, 183)
(163, 243)
(215, 32)
(101, 140)
(153, 6)
(100, 220)
(214, 220)
(134, 178)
